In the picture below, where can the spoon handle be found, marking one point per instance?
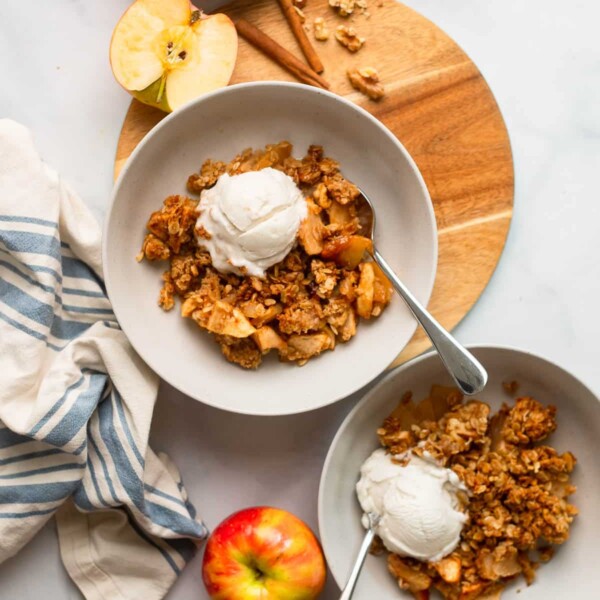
(466, 370)
(360, 559)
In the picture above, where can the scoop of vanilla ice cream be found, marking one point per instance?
(418, 504)
(252, 219)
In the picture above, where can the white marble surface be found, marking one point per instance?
(541, 59)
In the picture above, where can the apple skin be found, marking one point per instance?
(263, 553)
(148, 96)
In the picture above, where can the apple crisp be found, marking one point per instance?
(306, 304)
(518, 490)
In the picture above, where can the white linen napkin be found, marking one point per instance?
(75, 399)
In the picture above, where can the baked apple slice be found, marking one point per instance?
(347, 251)
(166, 53)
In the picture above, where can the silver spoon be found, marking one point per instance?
(466, 370)
(360, 559)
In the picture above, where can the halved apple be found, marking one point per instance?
(166, 52)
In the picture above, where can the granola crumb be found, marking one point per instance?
(366, 80)
(349, 38)
(377, 548)
(202, 233)
(511, 387)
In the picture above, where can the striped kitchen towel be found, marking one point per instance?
(75, 399)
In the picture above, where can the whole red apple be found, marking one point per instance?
(263, 553)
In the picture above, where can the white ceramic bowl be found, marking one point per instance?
(220, 125)
(574, 566)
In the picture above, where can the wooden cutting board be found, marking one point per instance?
(438, 105)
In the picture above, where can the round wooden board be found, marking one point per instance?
(439, 106)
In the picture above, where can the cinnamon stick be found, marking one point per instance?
(279, 54)
(295, 24)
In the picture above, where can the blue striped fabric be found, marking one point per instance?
(67, 431)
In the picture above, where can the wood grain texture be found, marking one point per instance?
(437, 104)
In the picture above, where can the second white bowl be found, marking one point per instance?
(573, 567)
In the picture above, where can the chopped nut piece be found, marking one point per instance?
(366, 81)
(299, 3)
(320, 30)
(349, 38)
(345, 8)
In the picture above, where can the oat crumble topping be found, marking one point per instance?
(518, 490)
(306, 304)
